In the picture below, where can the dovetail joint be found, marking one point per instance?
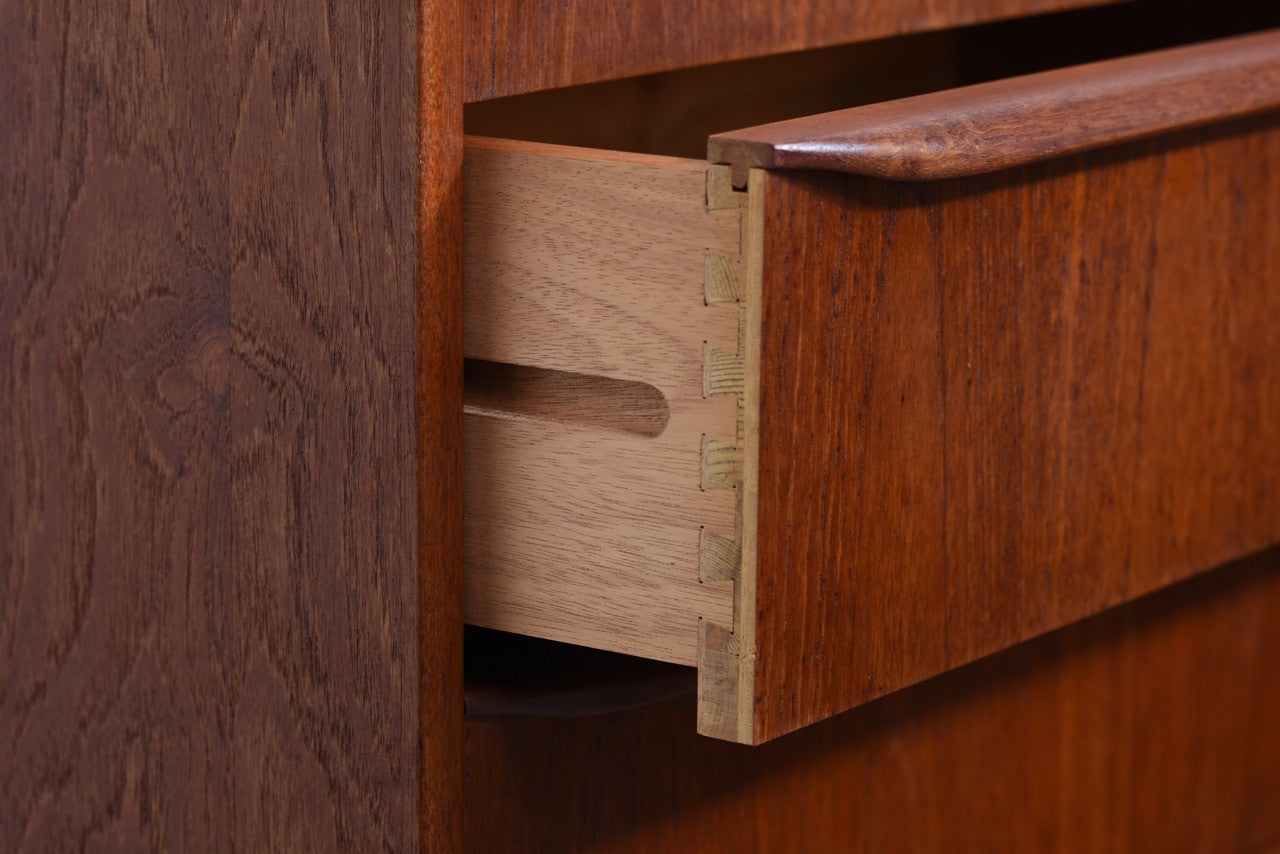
(721, 663)
(721, 464)
(723, 278)
(720, 557)
(723, 373)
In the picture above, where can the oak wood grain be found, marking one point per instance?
(588, 271)
(529, 46)
(1025, 396)
(1148, 728)
(1005, 123)
(209, 585)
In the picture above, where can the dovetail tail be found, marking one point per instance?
(723, 278)
(721, 464)
(724, 274)
(719, 557)
(723, 373)
(725, 666)
(720, 191)
(719, 682)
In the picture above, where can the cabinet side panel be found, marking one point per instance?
(208, 583)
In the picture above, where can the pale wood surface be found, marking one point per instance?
(593, 263)
(726, 662)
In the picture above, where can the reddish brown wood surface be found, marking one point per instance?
(529, 46)
(993, 406)
(674, 113)
(1148, 728)
(209, 583)
(991, 126)
(439, 457)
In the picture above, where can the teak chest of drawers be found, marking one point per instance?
(816, 414)
(878, 392)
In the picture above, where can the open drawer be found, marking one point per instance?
(881, 391)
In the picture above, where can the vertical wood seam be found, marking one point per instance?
(721, 655)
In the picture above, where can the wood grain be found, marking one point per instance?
(529, 46)
(1148, 728)
(1027, 396)
(592, 267)
(726, 650)
(1106, 439)
(209, 583)
(439, 452)
(673, 113)
(498, 390)
(997, 125)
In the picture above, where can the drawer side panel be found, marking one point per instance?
(594, 265)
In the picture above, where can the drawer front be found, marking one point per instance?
(1038, 379)
(1027, 396)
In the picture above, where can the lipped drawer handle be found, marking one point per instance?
(992, 126)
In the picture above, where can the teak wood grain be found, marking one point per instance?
(997, 125)
(989, 407)
(529, 46)
(1148, 729)
(439, 439)
(209, 538)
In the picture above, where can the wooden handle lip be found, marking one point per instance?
(992, 126)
